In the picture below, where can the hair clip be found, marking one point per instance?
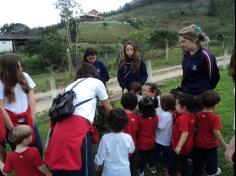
(197, 29)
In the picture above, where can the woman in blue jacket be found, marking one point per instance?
(131, 69)
(200, 71)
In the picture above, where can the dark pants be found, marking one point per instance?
(87, 161)
(133, 164)
(204, 157)
(165, 153)
(146, 157)
(179, 162)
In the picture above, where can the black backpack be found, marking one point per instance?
(62, 105)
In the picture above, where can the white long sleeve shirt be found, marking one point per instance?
(113, 151)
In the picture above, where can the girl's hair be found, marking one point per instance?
(210, 98)
(129, 101)
(232, 65)
(86, 70)
(118, 120)
(10, 75)
(154, 88)
(188, 101)
(168, 102)
(20, 132)
(89, 52)
(194, 33)
(135, 87)
(146, 107)
(135, 60)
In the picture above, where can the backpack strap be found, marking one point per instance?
(78, 83)
(85, 101)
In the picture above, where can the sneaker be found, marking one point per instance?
(153, 169)
(140, 173)
(218, 172)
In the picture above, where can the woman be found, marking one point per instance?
(90, 56)
(69, 151)
(131, 69)
(200, 71)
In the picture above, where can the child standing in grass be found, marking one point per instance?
(208, 136)
(147, 123)
(182, 134)
(115, 147)
(25, 160)
(164, 129)
(129, 102)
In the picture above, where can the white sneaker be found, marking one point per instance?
(153, 169)
(141, 173)
(218, 172)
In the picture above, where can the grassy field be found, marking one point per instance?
(225, 109)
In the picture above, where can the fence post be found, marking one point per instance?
(149, 70)
(225, 57)
(53, 87)
(167, 49)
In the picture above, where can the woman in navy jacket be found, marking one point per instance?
(132, 68)
(200, 71)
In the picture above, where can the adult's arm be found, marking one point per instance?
(104, 74)
(143, 72)
(8, 123)
(31, 99)
(107, 105)
(120, 78)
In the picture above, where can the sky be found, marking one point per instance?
(40, 13)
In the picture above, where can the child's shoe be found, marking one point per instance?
(140, 173)
(153, 169)
(218, 172)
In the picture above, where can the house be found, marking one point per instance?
(9, 43)
(90, 16)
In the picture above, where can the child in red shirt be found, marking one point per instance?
(25, 161)
(129, 101)
(182, 134)
(147, 124)
(208, 136)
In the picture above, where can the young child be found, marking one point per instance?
(152, 90)
(164, 129)
(208, 136)
(115, 147)
(129, 102)
(182, 134)
(147, 123)
(136, 88)
(25, 160)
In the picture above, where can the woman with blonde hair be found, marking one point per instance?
(200, 71)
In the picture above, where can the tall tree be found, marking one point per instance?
(14, 28)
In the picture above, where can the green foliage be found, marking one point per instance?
(105, 24)
(14, 28)
(159, 39)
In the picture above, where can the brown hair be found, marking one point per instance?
(194, 33)
(86, 70)
(135, 60)
(231, 70)
(210, 98)
(10, 75)
(20, 132)
(167, 102)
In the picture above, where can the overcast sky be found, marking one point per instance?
(37, 13)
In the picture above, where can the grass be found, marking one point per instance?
(225, 109)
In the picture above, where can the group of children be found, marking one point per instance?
(161, 125)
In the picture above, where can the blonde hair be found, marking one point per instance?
(20, 132)
(195, 34)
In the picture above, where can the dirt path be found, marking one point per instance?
(44, 100)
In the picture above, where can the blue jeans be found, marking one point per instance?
(205, 157)
(87, 158)
(165, 152)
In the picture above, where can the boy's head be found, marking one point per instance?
(185, 102)
(129, 101)
(210, 98)
(135, 87)
(147, 107)
(151, 90)
(168, 102)
(21, 132)
(118, 120)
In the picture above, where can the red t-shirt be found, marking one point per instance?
(132, 126)
(183, 123)
(25, 163)
(147, 132)
(206, 122)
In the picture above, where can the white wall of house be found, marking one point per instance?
(6, 46)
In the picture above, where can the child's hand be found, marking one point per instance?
(177, 150)
(98, 169)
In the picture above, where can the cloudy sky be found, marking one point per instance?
(35, 13)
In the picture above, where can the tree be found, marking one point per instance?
(14, 28)
(159, 37)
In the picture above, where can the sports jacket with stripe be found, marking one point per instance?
(200, 72)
